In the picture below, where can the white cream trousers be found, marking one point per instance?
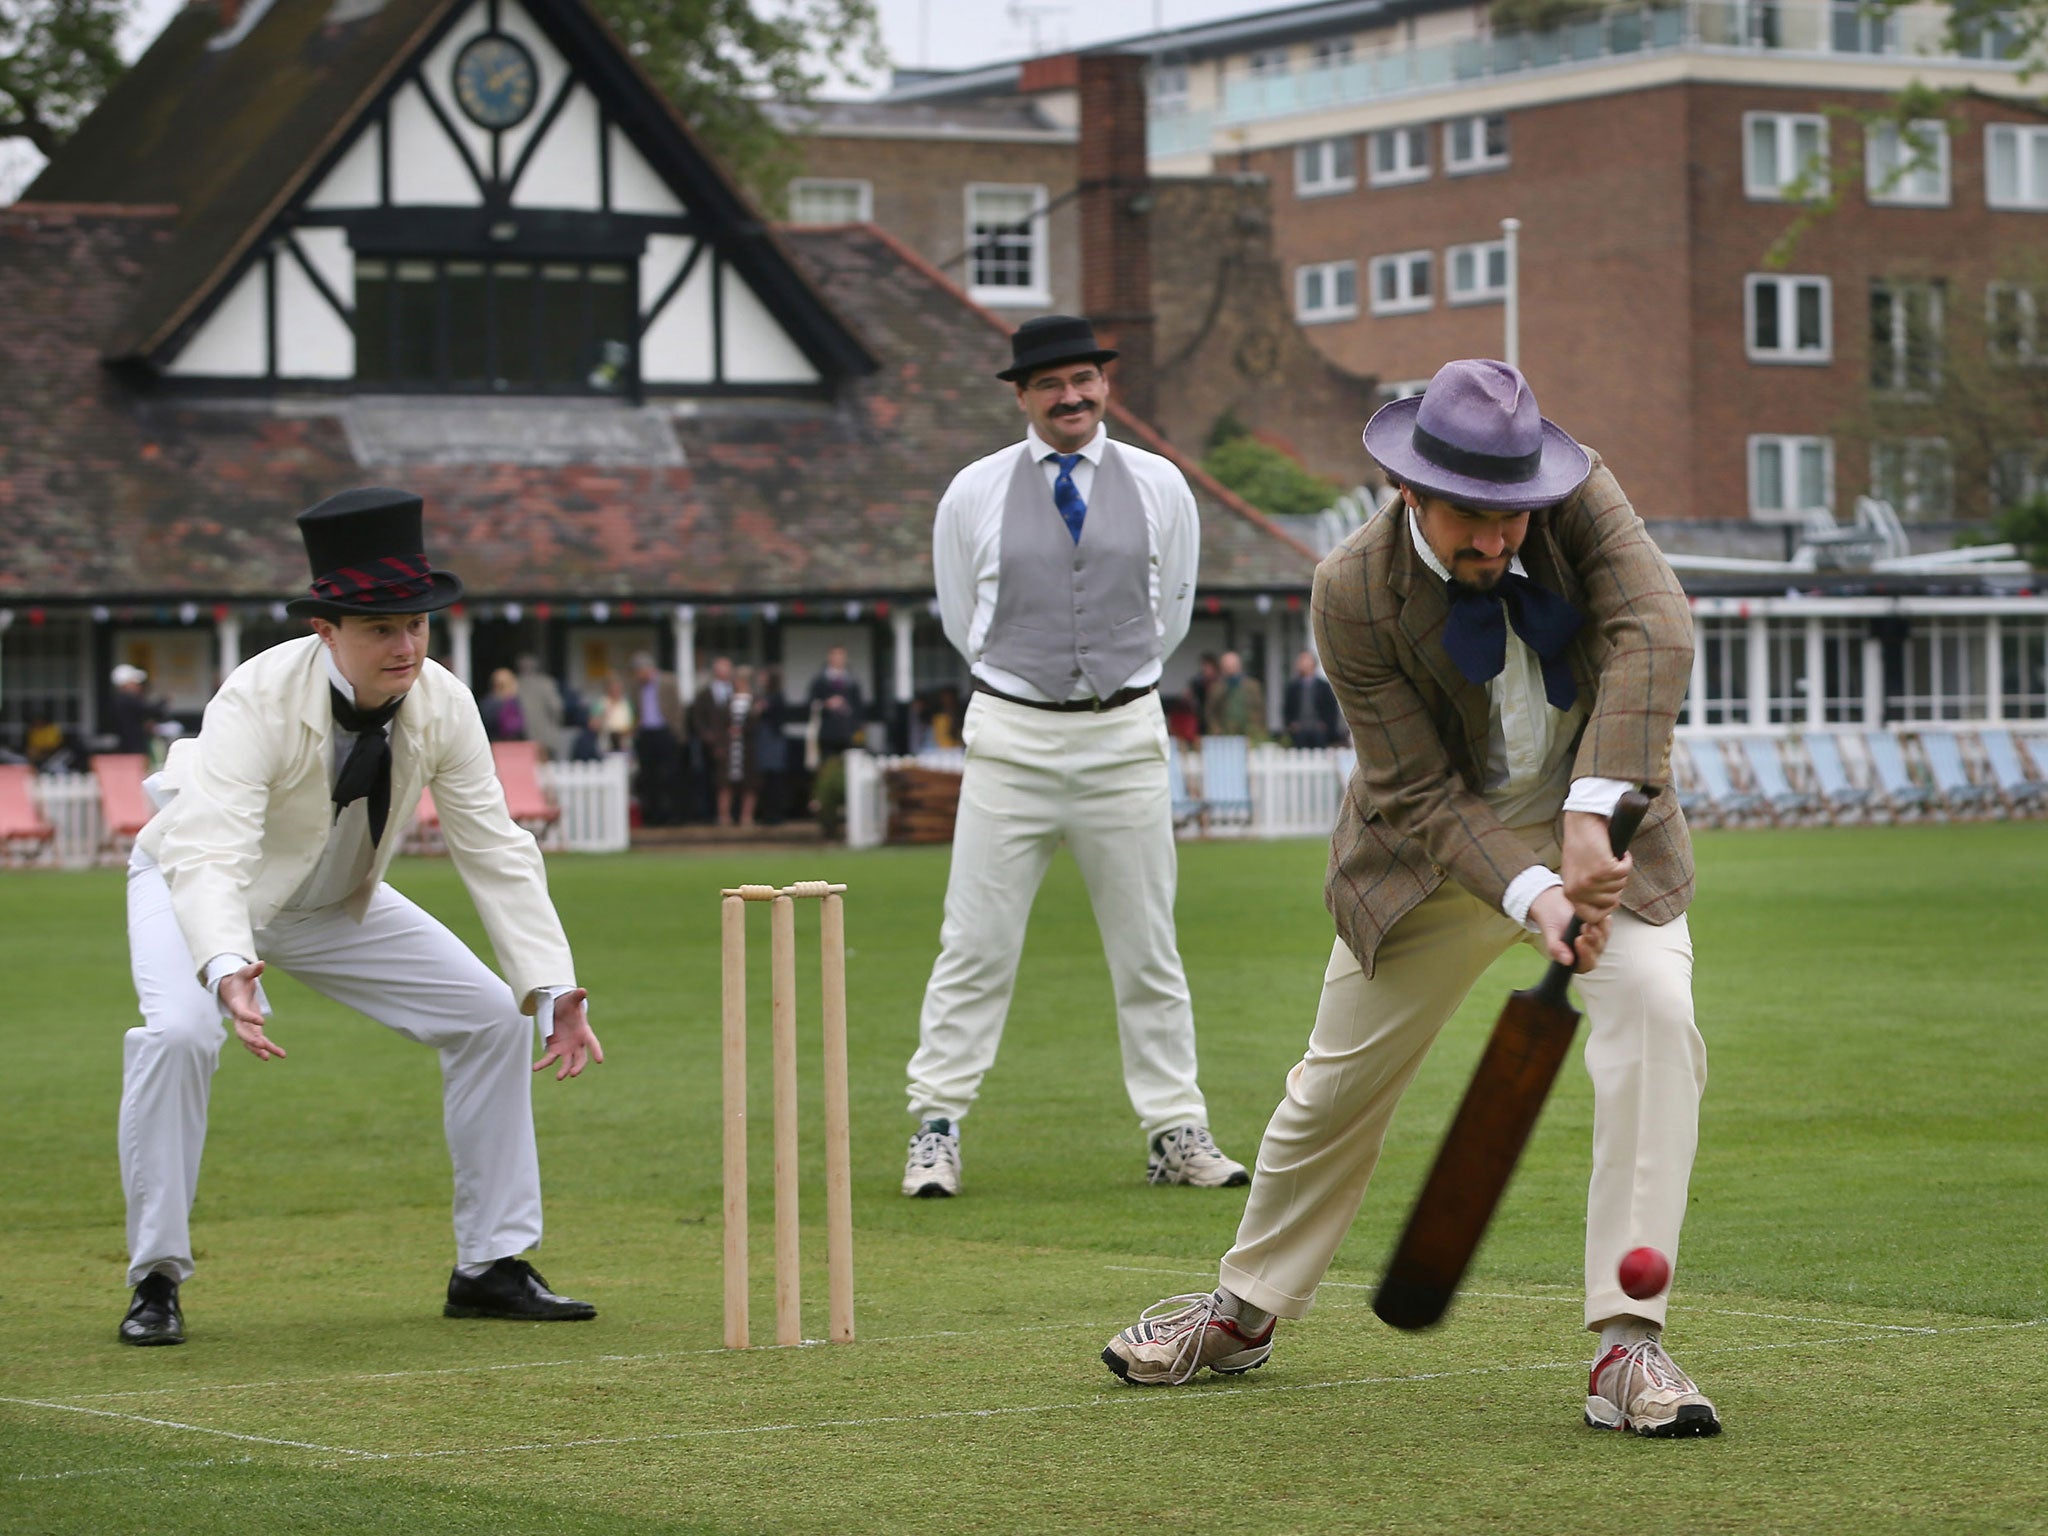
(1646, 1059)
(1036, 778)
(402, 968)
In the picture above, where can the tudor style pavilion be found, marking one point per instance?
(463, 246)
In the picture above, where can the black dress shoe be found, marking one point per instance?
(153, 1316)
(512, 1288)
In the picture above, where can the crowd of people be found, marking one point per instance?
(1222, 699)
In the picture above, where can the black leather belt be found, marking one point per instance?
(1116, 700)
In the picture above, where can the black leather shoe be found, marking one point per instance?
(153, 1316)
(512, 1288)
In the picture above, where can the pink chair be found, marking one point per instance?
(424, 836)
(24, 832)
(124, 806)
(518, 765)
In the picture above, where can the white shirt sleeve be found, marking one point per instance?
(1596, 797)
(544, 1010)
(1523, 890)
(953, 571)
(1180, 552)
(222, 966)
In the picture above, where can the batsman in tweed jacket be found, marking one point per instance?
(1413, 813)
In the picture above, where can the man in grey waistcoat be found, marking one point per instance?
(1065, 568)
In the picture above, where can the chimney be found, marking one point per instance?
(1116, 240)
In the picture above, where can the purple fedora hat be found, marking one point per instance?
(1475, 437)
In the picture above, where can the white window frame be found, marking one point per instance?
(1320, 157)
(1411, 158)
(1406, 301)
(863, 194)
(997, 295)
(2030, 144)
(1268, 63)
(1789, 449)
(1782, 171)
(1782, 292)
(1885, 150)
(2031, 350)
(1481, 158)
(1331, 53)
(1944, 666)
(1482, 290)
(1897, 358)
(1323, 275)
(1915, 454)
(1403, 389)
(1171, 90)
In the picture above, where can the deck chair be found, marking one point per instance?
(1692, 800)
(1729, 803)
(519, 772)
(424, 835)
(1768, 769)
(124, 804)
(1893, 779)
(1226, 782)
(1187, 810)
(25, 833)
(1944, 753)
(2020, 788)
(1837, 794)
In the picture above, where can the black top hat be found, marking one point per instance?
(1050, 340)
(366, 550)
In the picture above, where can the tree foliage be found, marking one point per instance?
(1263, 475)
(57, 59)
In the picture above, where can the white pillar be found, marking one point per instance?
(227, 639)
(1759, 670)
(1873, 681)
(1696, 697)
(460, 627)
(1816, 673)
(1511, 317)
(1278, 669)
(686, 652)
(1994, 669)
(902, 622)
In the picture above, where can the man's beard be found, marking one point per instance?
(1484, 583)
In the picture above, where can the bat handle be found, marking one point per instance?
(1629, 812)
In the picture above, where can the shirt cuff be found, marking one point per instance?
(1523, 890)
(544, 1010)
(1596, 797)
(222, 966)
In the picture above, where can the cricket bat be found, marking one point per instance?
(1487, 1134)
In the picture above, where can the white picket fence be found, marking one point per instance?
(1295, 792)
(593, 798)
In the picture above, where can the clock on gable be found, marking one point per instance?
(495, 81)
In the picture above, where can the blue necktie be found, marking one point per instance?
(1066, 495)
(1476, 633)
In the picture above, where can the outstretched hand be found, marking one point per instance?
(238, 997)
(572, 1044)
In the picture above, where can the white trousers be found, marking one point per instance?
(402, 968)
(1036, 778)
(1643, 1053)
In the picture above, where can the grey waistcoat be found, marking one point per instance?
(1066, 611)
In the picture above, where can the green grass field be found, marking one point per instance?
(1862, 1289)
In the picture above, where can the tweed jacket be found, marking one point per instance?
(1413, 814)
(253, 805)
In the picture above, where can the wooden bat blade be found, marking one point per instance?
(1478, 1157)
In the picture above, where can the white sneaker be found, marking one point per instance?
(1188, 1154)
(1639, 1387)
(1177, 1337)
(932, 1170)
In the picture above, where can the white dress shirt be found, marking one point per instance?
(1528, 750)
(967, 548)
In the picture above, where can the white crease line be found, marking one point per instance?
(196, 1429)
(161, 1466)
(1832, 1322)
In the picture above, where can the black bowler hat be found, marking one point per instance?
(367, 554)
(1049, 341)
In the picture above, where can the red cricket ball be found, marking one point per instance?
(1644, 1273)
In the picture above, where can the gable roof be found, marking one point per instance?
(233, 135)
(113, 495)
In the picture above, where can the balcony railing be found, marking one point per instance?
(1794, 28)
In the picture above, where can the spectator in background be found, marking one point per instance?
(1236, 703)
(1199, 687)
(658, 742)
(946, 720)
(837, 703)
(710, 728)
(738, 763)
(1309, 711)
(613, 722)
(135, 714)
(771, 745)
(504, 717)
(540, 702)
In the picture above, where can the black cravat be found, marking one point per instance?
(1476, 636)
(368, 768)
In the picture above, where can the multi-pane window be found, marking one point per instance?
(2019, 474)
(1784, 155)
(1324, 165)
(1788, 319)
(818, 200)
(1841, 659)
(1476, 274)
(1475, 144)
(1330, 53)
(1264, 63)
(1723, 647)
(1400, 284)
(1170, 92)
(1905, 337)
(1399, 154)
(2016, 166)
(2012, 324)
(1006, 241)
(1790, 476)
(1944, 671)
(1907, 167)
(46, 678)
(1785, 669)
(2023, 654)
(1916, 475)
(1859, 28)
(1326, 291)
(504, 327)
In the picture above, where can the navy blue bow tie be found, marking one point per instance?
(1476, 636)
